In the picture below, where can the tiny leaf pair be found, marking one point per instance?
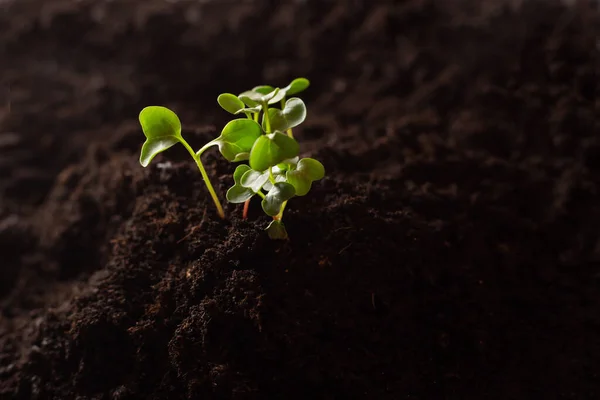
(292, 115)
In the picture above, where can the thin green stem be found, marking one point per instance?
(248, 115)
(267, 119)
(211, 190)
(261, 194)
(256, 115)
(271, 176)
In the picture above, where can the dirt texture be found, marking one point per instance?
(451, 252)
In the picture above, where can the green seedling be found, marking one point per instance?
(264, 138)
(162, 129)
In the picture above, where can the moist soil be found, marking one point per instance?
(452, 251)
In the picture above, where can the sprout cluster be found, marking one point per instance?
(262, 137)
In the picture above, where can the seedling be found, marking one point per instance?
(264, 138)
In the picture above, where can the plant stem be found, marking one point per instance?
(246, 207)
(249, 115)
(255, 118)
(267, 119)
(247, 204)
(271, 176)
(211, 190)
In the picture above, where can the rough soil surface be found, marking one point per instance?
(452, 252)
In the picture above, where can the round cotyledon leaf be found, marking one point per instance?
(230, 103)
(237, 193)
(307, 171)
(269, 150)
(237, 138)
(296, 86)
(292, 115)
(254, 180)
(263, 89)
(281, 191)
(162, 129)
(294, 112)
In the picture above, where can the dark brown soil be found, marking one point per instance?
(452, 252)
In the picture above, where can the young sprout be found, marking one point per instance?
(264, 138)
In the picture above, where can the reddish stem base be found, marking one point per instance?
(246, 206)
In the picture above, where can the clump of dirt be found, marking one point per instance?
(451, 251)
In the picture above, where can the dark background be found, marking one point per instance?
(452, 251)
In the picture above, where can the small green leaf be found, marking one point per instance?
(276, 230)
(292, 115)
(162, 129)
(254, 179)
(263, 89)
(237, 138)
(281, 191)
(269, 150)
(294, 112)
(296, 86)
(230, 103)
(239, 172)
(307, 171)
(237, 193)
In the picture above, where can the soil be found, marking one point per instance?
(452, 251)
